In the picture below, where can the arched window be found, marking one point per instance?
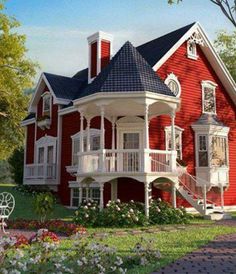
(173, 83)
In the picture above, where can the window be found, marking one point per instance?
(93, 194)
(192, 50)
(94, 143)
(46, 150)
(173, 83)
(75, 197)
(219, 151)
(46, 103)
(208, 97)
(202, 151)
(178, 140)
(41, 155)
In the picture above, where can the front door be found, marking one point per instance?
(131, 143)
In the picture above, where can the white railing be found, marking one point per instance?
(40, 171)
(126, 160)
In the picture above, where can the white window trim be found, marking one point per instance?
(190, 55)
(45, 142)
(208, 84)
(46, 95)
(173, 77)
(93, 132)
(180, 131)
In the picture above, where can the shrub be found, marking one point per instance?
(162, 212)
(16, 162)
(116, 214)
(31, 190)
(44, 205)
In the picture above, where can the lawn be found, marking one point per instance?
(24, 206)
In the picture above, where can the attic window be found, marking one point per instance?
(192, 50)
(46, 103)
(208, 97)
(173, 83)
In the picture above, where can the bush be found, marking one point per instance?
(16, 162)
(162, 212)
(31, 190)
(116, 214)
(44, 204)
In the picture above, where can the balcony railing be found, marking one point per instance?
(40, 171)
(126, 161)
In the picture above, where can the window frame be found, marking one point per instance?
(45, 96)
(211, 85)
(206, 150)
(178, 130)
(172, 77)
(192, 54)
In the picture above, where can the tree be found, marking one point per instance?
(226, 46)
(16, 75)
(228, 7)
(16, 162)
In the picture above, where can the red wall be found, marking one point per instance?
(190, 73)
(105, 53)
(93, 60)
(30, 144)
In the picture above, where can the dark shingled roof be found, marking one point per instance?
(82, 75)
(208, 119)
(29, 116)
(65, 87)
(154, 50)
(128, 71)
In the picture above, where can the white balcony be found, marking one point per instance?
(40, 174)
(45, 123)
(126, 161)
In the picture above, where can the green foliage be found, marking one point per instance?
(43, 205)
(16, 75)
(225, 44)
(16, 162)
(5, 173)
(162, 212)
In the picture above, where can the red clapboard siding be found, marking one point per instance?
(93, 65)
(190, 74)
(105, 53)
(30, 144)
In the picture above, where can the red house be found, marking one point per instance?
(157, 120)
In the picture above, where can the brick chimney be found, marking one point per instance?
(100, 53)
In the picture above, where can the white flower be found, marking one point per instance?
(159, 199)
(118, 261)
(128, 215)
(118, 209)
(158, 209)
(85, 207)
(132, 201)
(86, 215)
(123, 271)
(131, 210)
(118, 201)
(80, 263)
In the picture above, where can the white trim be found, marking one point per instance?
(67, 110)
(172, 77)
(27, 122)
(212, 56)
(45, 142)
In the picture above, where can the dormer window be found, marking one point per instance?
(46, 104)
(208, 97)
(173, 83)
(192, 50)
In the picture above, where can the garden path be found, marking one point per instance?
(217, 257)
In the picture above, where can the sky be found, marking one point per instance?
(57, 30)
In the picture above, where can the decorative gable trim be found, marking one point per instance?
(38, 92)
(210, 53)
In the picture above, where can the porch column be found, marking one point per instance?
(173, 196)
(222, 197)
(173, 130)
(146, 188)
(88, 134)
(204, 199)
(87, 193)
(113, 132)
(102, 140)
(101, 186)
(80, 195)
(114, 190)
(146, 139)
(81, 141)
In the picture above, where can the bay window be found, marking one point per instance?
(202, 151)
(219, 151)
(93, 194)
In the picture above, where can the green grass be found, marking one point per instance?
(24, 206)
(172, 245)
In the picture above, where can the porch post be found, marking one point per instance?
(146, 188)
(173, 196)
(101, 186)
(88, 134)
(80, 195)
(173, 145)
(114, 190)
(81, 141)
(87, 193)
(204, 199)
(146, 140)
(113, 133)
(222, 197)
(102, 140)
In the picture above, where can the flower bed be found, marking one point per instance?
(117, 214)
(57, 226)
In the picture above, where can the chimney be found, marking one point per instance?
(100, 53)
